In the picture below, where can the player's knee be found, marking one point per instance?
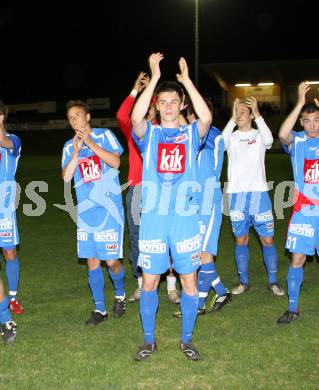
(150, 283)
(206, 258)
(267, 241)
(298, 260)
(115, 266)
(93, 264)
(242, 240)
(9, 254)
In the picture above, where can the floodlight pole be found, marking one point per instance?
(196, 41)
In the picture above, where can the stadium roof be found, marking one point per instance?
(288, 72)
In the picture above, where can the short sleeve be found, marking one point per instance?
(111, 143)
(143, 142)
(67, 154)
(289, 149)
(16, 149)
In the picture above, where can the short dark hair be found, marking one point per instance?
(77, 103)
(3, 110)
(170, 86)
(309, 108)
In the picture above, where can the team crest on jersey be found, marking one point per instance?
(90, 168)
(171, 158)
(181, 138)
(311, 171)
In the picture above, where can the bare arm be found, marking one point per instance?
(201, 108)
(110, 158)
(68, 171)
(142, 104)
(5, 141)
(285, 134)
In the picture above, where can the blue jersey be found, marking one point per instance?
(209, 164)
(9, 159)
(169, 168)
(93, 178)
(304, 153)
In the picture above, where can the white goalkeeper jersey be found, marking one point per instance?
(246, 157)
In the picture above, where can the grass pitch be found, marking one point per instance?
(242, 346)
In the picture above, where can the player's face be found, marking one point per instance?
(78, 118)
(244, 116)
(169, 105)
(310, 122)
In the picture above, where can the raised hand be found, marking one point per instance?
(183, 67)
(141, 82)
(251, 102)
(83, 134)
(235, 115)
(1, 120)
(154, 61)
(77, 144)
(302, 90)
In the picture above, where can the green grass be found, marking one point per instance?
(242, 346)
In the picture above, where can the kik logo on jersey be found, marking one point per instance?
(171, 158)
(311, 171)
(90, 168)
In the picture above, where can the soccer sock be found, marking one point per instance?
(270, 259)
(148, 308)
(189, 305)
(13, 273)
(242, 259)
(119, 282)
(217, 283)
(171, 283)
(294, 280)
(140, 281)
(5, 315)
(96, 283)
(207, 277)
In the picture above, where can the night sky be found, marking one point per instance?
(55, 52)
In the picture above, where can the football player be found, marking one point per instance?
(92, 158)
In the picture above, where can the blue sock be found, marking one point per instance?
(270, 259)
(217, 284)
(294, 280)
(148, 308)
(5, 315)
(207, 277)
(96, 283)
(189, 305)
(13, 274)
(118, 281)
(242, 259)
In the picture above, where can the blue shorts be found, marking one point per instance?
(303, 232)
(9, 236)
(209, 226)
(165, 235)
(251, 209)
(100, 234)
